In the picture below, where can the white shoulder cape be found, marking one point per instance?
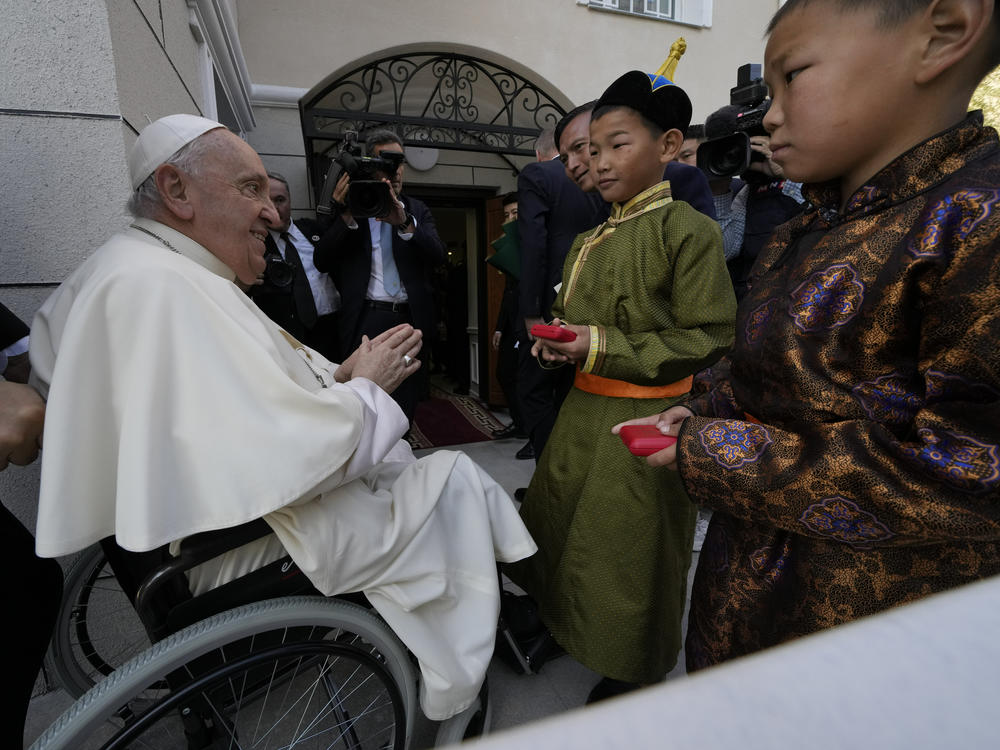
(176, 406)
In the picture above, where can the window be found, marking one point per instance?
(660, 8)
(695, 12)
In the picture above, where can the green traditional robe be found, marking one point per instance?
(614, 535)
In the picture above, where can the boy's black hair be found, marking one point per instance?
(569, 117)
(891, 13)
(509, 198)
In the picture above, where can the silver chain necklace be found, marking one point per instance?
(156, 236)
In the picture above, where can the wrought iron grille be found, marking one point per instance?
(443, 100)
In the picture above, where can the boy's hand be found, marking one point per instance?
(564, 351)
(669, 423)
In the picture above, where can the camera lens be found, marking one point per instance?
(369, 198)
(725, 156)
(279, 271)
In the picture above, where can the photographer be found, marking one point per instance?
(751, 195)
(382, 263)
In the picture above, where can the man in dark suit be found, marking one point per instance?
(382, 266)
(552, 211)
(292, 292)
(506, 341)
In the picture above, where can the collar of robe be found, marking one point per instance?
(151, 232)
(648, 200)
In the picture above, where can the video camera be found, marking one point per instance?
(727, 151)
(367, 195)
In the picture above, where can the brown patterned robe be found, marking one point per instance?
(853, 452)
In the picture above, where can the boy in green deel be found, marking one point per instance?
(650, 301)
(850, 444)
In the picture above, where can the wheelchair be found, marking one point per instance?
(97, 628)
(262, 661)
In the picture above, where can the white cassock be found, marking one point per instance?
(176, 406)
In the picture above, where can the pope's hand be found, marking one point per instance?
(387, 360)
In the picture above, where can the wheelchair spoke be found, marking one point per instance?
(259, 681)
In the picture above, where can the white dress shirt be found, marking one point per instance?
(324, 293)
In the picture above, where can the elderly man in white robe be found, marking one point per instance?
(174, 406)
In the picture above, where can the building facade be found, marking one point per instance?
(83, 77)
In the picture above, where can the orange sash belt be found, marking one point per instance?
(623, 389)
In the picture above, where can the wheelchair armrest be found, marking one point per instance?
(194, 550)
(208, 544)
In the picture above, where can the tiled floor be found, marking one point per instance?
(561, 685)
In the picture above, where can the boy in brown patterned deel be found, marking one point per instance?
(850, 443)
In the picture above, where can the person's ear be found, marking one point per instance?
(174, 190)
(670, 145)
(951, 30)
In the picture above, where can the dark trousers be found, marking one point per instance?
(325, 337)
(32, 593)
(541, 393)
(507, 368)
(375, 320)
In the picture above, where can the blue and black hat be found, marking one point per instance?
(655, 97)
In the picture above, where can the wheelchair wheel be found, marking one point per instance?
(97, 629)
(475, 721)
(306, 672)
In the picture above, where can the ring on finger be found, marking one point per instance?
(406, 360)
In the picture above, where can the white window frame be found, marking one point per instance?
(215, 29)
(689, 12)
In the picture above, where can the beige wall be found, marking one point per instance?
(575, 49)
(81, 77)
(566, 48)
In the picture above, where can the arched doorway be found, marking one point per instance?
(442, 100)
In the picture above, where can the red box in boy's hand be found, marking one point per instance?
(645, 439)
(555, 333)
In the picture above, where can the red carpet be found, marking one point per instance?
(447, 419)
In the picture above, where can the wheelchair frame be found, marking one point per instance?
(186, 629)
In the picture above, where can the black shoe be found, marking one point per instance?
(507, 432)
(519, 494)
(609, 688)
(541, 649)
(526, 452)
